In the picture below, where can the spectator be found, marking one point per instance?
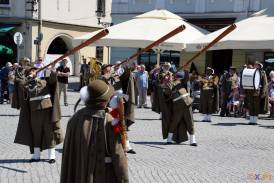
(25, 61)
(63, 72)
(39, 64)
(142, 85)
(84, 72)
(11, 76)
(271, 94)
(135, 71)
(234, 101)
(4, 77)
(118, 70)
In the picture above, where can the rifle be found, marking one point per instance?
(157, 42)
(82, 45)
(212, 43)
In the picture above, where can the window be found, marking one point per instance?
(4, 2)
(172, 1)
(99, 53)
(142, 1)
(149, 58)
(100, 8)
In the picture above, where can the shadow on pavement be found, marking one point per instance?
(13, 169)
(230, 124)
(154, 144)
(266, 118)
(9, 161)
(200, 121)
(66, 116)
(267, 126)
(5, 161)
(150, 144)
(144, 119)
(59, 150)
(9, 115)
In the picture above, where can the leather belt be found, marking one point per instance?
(40, 97)
(180, 97)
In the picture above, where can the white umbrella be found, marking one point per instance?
(251, 33)
(144, 29)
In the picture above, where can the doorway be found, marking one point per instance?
(221, 60)
(58, 47)
(8, 50)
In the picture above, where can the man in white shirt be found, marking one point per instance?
(39, 64)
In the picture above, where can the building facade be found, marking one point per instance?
(48, 28)
(208, 14)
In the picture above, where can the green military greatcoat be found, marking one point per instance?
(89, 142)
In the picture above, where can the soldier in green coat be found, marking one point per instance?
(39, 120)
(182, 116)
(209, 94)
(93, 151)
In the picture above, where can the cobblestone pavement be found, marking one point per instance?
(228, 151)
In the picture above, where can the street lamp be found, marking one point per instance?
(100, 14)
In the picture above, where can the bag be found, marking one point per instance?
(41, 104)
(182, 95)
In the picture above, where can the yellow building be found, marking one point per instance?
(55, 23)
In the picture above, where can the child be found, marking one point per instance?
(234, 101)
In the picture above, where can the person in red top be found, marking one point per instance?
(63, 72)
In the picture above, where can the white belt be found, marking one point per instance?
(207, 88)
(108, 160)
(40, 97)
(181, 96)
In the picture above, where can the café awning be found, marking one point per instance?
(5, 50)
(251, 33)
(6, 28)
(144, 29)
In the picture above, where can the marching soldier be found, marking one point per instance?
(181, 120)
(107, 75)
(95, 69)
(209, 96)
(127, 113)
(39, 120)
(93, 151)
(117, 108)
(154, 94)
(164, 91)
(263, 89)
(253, 101)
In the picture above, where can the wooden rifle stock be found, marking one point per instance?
(82, 45)
(162, 39)
(217, 39)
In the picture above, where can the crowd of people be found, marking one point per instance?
(224, 94)
(7, 76)
(96, 143)
(7, 82)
